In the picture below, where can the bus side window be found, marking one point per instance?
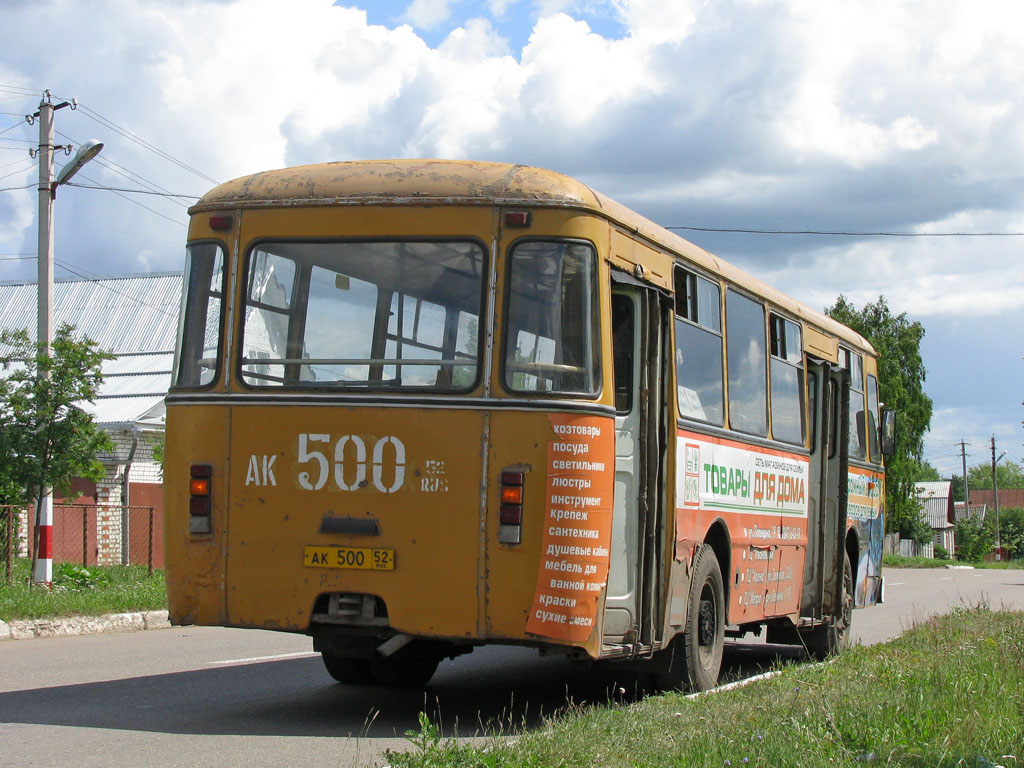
(747, 364)
(699, 377)
(199, 331)
(552, 338)
(812, 406)
(787, 381)
(858, 442)
(873, 447)
(622, 351)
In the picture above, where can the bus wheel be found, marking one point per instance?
(695, 655)
(345, 669)
(413, 672)
(833, 637)
(705, 622)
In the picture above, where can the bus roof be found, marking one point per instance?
(464, 182)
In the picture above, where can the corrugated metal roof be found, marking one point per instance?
(121, 411)
(134, 317)
(122, 314)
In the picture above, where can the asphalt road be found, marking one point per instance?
(209, 696)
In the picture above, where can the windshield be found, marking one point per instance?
(364, 315)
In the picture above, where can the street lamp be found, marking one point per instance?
(42, 571)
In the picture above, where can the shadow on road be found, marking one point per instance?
(491, 690)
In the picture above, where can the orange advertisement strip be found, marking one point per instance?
(575, 543)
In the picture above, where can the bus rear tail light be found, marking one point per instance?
(510, 512)
(200, 476)
(517, 219)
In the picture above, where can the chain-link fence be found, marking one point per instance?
(90, 534)
(9, 530)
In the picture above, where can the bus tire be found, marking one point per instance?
(705, 622)
(834, 636)
(344, 669)
(695, 655)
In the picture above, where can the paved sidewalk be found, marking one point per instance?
(83, 625)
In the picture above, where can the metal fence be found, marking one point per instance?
(90, 534)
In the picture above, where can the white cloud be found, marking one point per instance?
(427, 14)
(881, 115)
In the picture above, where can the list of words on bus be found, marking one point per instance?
(577, 527)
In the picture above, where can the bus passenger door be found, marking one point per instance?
(826, 477)
(637, 519)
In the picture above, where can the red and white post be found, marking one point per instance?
(42, 570)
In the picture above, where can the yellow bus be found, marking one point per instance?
(420, 406)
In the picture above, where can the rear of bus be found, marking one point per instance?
(365, 442)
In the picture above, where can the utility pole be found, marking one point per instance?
(995, 493)
(42, 564)
(967, 495)
(42, 568)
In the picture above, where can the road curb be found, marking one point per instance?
(70, 626)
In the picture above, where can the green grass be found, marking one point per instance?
(949, 693)
(897, 561)
(80, 591)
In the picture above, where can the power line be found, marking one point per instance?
(134, 202)
(120, 170)
(12, 127)
(133, 192)
(25, 166)
(131, 175)
(843, 233)
(107, 123)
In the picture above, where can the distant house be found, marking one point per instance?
(936, 499)
(977, 513)
(136, 319)
(1008, 497)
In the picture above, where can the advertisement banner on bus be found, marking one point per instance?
(577, 527)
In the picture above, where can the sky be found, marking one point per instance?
(879, 116)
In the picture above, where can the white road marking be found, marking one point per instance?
(252, 659)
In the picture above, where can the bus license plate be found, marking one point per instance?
(359, 558)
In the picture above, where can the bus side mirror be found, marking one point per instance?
(888, 431)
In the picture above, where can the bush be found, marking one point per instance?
(973, 539)
(941, 553)
(1011, 532)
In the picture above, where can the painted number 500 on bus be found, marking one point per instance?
(349, 470)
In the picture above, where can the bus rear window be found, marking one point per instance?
(551, 333)
(363, 315)
(198, 347)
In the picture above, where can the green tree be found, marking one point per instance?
(974, 539)
(926, 473)
(901, 376)
(1008, 475)
(957, 488)
(46, 438)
